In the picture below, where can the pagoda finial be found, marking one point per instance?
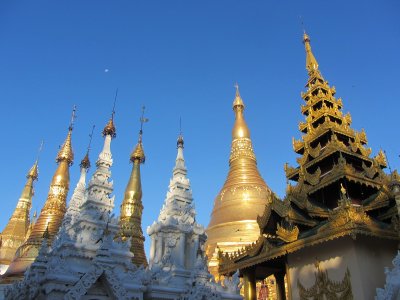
(85, 162)
(180, 141)
(34, 172)
(240, 129)
(311, 62)
(138, 152)
(237, 102)
(65, 152)
(109, 129)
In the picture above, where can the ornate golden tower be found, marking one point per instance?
(14, 234)
(132, 207)
(52, 213)
(242, 198)
(333, 155)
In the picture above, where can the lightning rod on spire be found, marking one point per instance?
(90, 138)
(73, 117)
(115, 101)
(142, 121)
(40, 150)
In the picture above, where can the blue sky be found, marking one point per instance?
(181, 59)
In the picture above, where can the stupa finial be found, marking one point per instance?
(138, 152)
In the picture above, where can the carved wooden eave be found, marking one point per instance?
(298, 218)
(279, 206)
(347, 172)
(317, 211)
(283, 209)
(287, 235)
(263, 219)
(344, 221)
(378, 200)
(331, 148)
(312, 101)
(342, 168)
(328, 126)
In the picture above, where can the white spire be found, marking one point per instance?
(76, 199)
(177, 215)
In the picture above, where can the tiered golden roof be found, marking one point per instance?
(244, 195)
(14, 234)
(339, 188)
(51, 215)
(132, 208)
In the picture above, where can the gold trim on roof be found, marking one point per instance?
(287, 234)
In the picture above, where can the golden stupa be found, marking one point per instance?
(132, 207)
(242, 198)
(50, 217)
(17, 228)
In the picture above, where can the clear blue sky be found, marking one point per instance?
(182, 58)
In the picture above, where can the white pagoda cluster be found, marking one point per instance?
(86, 262)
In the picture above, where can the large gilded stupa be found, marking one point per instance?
(242, 198)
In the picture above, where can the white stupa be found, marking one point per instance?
(177, 262)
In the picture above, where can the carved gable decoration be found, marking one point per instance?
(96, 276)
(325, 288)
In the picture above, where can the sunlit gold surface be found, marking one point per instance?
(311, 62)
(51, 214)
(132, 208)
(65, 153)
(14, 234)
(242, 198)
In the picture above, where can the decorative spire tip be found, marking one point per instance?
(237, 102)
(180, 141)
(138, 152)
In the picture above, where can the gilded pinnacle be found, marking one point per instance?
(237, 102)
(311, 62)
(33, 172)
(66, 152)
(138, 152)
(240, 129)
